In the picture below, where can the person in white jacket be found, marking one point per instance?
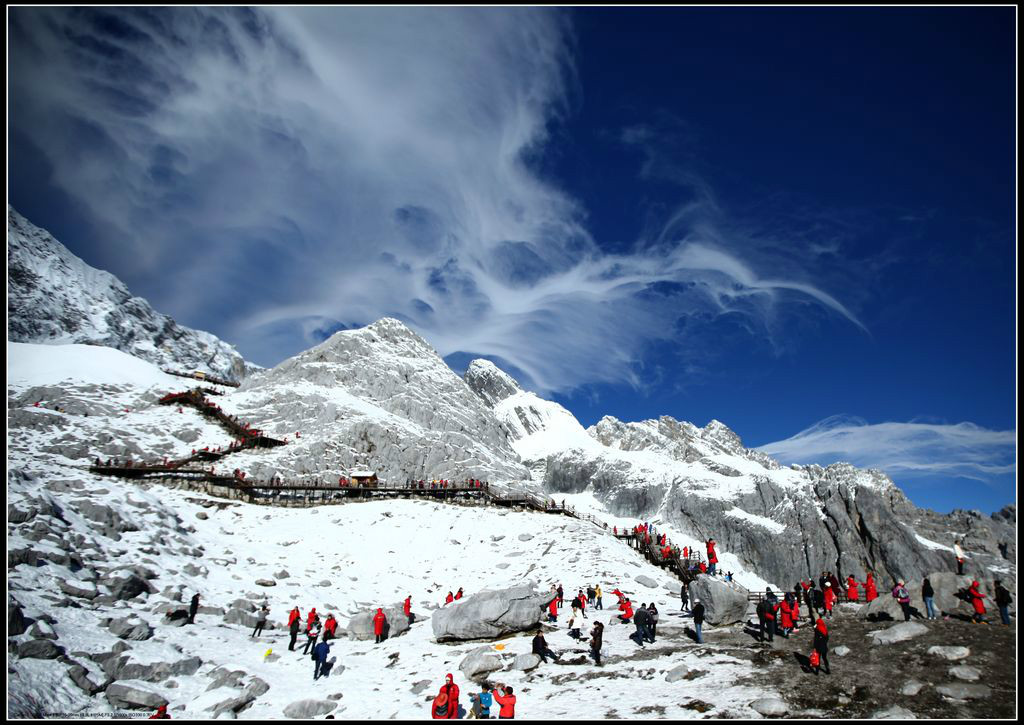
(959, 553)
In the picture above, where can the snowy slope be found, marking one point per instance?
(55, 298)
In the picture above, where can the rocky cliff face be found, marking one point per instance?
(783, 523)
(55, 297)
(379, 397)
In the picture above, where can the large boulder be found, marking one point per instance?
(490, 614)
(724, 603)
(951, 653)
(646, 581)
(42, 649)
(134, 695)
(526, 661)
(360, 626)
(241, 616)
(479, 663)
(130, 628)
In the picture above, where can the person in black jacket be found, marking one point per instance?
(821, 646)
(294, 629)
(761, 618)
(642, 619)
(698, 619)
(193, 608)
(818, 598)
(596, 638)
(684, 595)
(541, 649)
(1003, 601)
(928, 595)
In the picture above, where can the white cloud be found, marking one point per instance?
(266, 173)
(907, 450)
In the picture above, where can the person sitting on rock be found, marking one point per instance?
(541, 649)
(449, 599)
(458, 594)
(627, 611)
(330, 625)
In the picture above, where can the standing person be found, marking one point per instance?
(320, 653)
(653, 628)
(900, 593)
(829, 599)
(597, 596)
(451, 692)
(976, 600)
(193, 608)
(590, 595)
(379, 620)
(762, 611)
(1003, 601)
(458, 594)
(698, 618)
(821, 646)
(712, 557)
(561, 596)
(810, 594)
(294, 622)
(959, 553)
(786, 614)
(503, 696)
(261, 621)
(870, 590)
(596, 639)
(311, 616)
(541, 649)
(684, 596)
(818, 597)
(407, 608)
(486, 700)
(851, 589)
(312, 633)
(641, 619)
(928, 595)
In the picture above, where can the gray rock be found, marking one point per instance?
(951, 653)
(130, 628)
(841, 651)
(420, 686)
(960, 691)
(16, 623)
(202, 515)
(498, 538)
(502, 565)
(898, 633)
(525, 537)
(526, 661)
(244, 604)
(360, 626)
(124, 668)
(480, 662)
(965, 672)
(134, 695)
(647, 581)
(911, 688)
(325, 583)
(272, 583)
(77, 588)
(283, 574)
(490, 614)
(894, 713)
(677, 673)
(80, 676)
(40, 649)
(723, 603)
(192, 570)
(770, 707)
(308, 709)
(241, 616)
(41, 630)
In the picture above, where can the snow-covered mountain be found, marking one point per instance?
(781, 522)
(54, 297)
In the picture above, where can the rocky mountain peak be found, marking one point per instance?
(490, 382)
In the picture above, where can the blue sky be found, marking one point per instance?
(800, 222)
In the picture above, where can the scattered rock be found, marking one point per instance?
(677, 673)
(894, 713)
(502, 565)
(130, 628)
(202, 515)
(526, 661)
(272, 583)
(949, 653)
(420, 686)
(647, 581)
(76, 588)
(308, 709)
(16, 622)
(770, 707)
(959, 691)
(40, 649)
(965, 672)
(912, 688)
(525, 537)
(480, 662)
(898, 632)
(841, 651)
(497, 538)
(41, 630)
(283, 574)
(134, 695)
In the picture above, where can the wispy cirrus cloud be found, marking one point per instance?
(274, 173)
(905, 450)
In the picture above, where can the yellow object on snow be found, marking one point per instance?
(267, 653)
(499, 646)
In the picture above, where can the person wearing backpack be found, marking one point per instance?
(900, 593)
(1003, 601)
(762, 610)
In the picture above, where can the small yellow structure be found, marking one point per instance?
(364, 478)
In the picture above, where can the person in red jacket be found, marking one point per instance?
(451, 692)
(449, 599)
(503, 696)
(379, 620)
(407, 608)
(311, 616)
(712, 557)
(330, 625)
(553, 609)
(976, 601)
(439, 707)
(458, 594)
(870, 590)
(830, 599)
(161, 712)
(851, 589)
(786, 616)
(627, 610)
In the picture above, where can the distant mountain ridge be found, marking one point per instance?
(56, 298)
